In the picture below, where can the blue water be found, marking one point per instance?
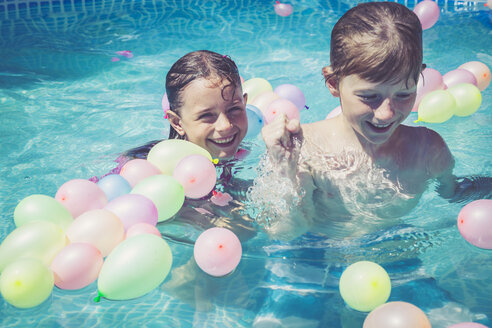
(67, 110)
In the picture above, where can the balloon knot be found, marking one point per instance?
(98, 297)
(306, 107)
(215, 161)
(416, 121)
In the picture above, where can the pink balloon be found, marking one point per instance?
(396, 315)
(138, 169)
(292, 93)
(79, 196)
(475, 223)
(481, 72)
(429, 80)
(197, 175)
(100, 228)
(217, 251)
(281, 106)
(283, 9)
(335, 112)
(458, 76)
(428, 13)
(133, 209)
(77, 265)
(468, 325)
(264, 99)
(141, 228)
(165, 103)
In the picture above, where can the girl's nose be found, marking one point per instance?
(384, 112)
(223, 123)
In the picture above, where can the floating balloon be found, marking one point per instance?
(292, 93)
(41, 240)
(135, 267)
(335, 112)
(79, 196)
(428, 13)
(132, 209)
(475, 223)
(165, 192)
(256, 121)
(114, 185)
(468, 325)
(281, 106)
(437, 106)
(101, 228)
(264, 99)
(283, 9)
(481, 72)
(26, 283)
(76, 266)
(253, 87)
(141, 228)
(458, 76)
(217, 251)
(138, 169)
(165, 103)
(468, 98)
(167, 153)
(429, 80)
(44, 208)
(397, 315)
(197, 175)
(364, 286)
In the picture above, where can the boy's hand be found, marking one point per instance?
(278, 136)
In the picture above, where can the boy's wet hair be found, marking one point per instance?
(379, 41)
(201, 64)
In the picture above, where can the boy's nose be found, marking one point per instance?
(384, 112)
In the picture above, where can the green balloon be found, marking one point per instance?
(468, 98)
(135, 267)
(166, 154)
(42, 207)
(26, 283)
(166, 193)
(41, 240)
(364, 286)
(436, 107)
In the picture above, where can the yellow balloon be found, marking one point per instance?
(167, 153)
(41, 240)
(253, 87)
(468, 98)
(42, 207)
(364, 286)
(436, 107)
(26, 283)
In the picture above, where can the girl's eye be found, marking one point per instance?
(205, 116)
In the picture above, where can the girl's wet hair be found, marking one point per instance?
(201, 64)
(379, 41)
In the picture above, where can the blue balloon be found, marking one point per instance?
(114, 185)
(256, 121)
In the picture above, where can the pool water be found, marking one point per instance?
(67, 110)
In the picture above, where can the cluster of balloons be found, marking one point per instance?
(439, 97)
(265, 103)
(283, 9)
(105, 231)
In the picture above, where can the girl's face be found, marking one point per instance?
(375, 110)
(213, 116)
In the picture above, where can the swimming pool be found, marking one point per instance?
(67, 110)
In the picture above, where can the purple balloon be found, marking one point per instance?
(429, 80)
(468, 325)
(133, 209)
(292, 93)
(458, 76)
(475, 223)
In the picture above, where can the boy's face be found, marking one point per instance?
(375, 110)
(213, 117)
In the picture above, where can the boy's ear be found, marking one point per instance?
(245, 97)
(331, 81)
(175, 122)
